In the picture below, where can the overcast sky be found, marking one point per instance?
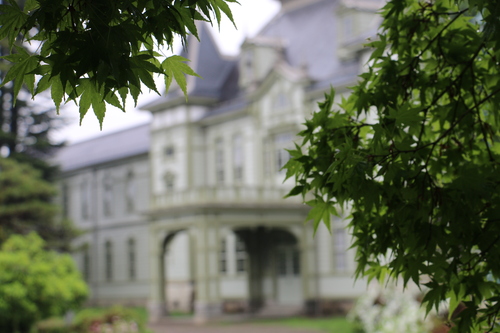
(250, 16)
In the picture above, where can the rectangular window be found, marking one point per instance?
(219, 161)
(169, 181)
(108, 195)
(84, 200)
(288, 261)
(282, 142)
(241, 256)
(248, 65)
(86, 263)
(169, 152)
(340, 247)
(131, 259)
(108, 252)
(130, 191)
(223, 257)
(65, 200)
(238, 158)
(267, 157)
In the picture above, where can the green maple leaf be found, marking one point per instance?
(21, 71)
(91, 97)
(175, 68)
(12, 20)
(218, 6)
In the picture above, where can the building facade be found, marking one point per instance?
(187, 213)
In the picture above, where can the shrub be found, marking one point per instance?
(110, 320)
(391, 310)
(35, 283)
(52, 325)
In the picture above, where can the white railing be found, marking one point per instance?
(225, 195)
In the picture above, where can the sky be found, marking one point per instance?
(250, 16)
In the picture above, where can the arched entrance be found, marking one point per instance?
(176, 278)
(274, 267)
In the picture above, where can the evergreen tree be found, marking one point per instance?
(26, 205)
(25, 125)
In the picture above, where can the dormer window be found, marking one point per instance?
(281, 101)
(282, 141)
(248, 65)
(348, 26)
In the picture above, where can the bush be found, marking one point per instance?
(52, 325)
(116, 320)
(35, 283)
(391, 310)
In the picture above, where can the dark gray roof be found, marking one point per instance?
(215, 69)
(236, 104)
(310, 37)
(127, 143)
(345, 75)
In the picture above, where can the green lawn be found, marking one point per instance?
(330, 325)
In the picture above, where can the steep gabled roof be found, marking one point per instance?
(309, 34)
(214, 68)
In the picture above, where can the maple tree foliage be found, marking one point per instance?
(414, 154)
(99, 52)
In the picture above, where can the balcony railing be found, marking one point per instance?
(204, 196)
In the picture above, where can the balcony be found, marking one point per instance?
(225, 196)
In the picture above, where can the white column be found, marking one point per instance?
(156, 303)
(207, 303)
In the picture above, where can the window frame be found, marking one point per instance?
(238, 158)
(240, 256)
(340, 246)
(219, 161)
(132, 259)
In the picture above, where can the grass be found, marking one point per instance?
(329, 325)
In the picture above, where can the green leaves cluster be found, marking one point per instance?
(35, 283)
(414, 154)
(99, 52)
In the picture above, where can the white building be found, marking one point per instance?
(188, 211)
